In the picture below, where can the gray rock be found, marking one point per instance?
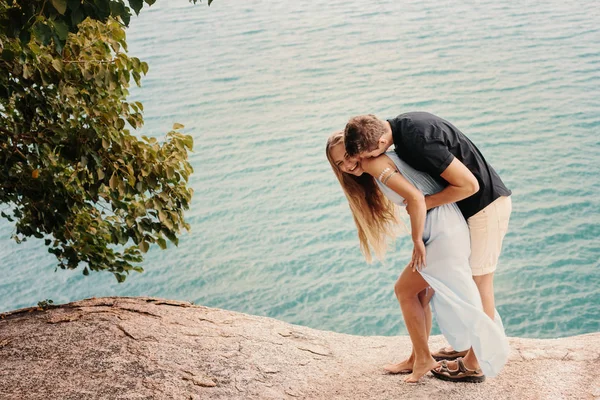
(148, 348)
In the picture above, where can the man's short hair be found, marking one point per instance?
(362, 133)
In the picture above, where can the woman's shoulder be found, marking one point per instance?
(377, 164)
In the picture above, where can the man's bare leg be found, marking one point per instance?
(497, 220)
(485, 285)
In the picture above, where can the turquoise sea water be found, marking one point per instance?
(260, 85)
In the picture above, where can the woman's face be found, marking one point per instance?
(349, 165)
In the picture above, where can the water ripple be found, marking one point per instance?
(260, 86)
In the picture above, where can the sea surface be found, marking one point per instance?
(260, 85)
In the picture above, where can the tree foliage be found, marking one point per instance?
(72, 172)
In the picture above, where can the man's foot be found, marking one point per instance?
(461, 374)
(420, 369)
(404, 367)
(448, 353)
(453, 364)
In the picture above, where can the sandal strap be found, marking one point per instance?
(445, 352)
(461, 365)
(443, 369)
(462, 368)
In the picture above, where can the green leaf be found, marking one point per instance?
(35, 48)
(177, 125)
(25, 35)
(77, 16)
(113, 182)
(189, 142)
(102, 185)
(61, 29)
(136, 5)
(60, 5)
(26, 71)
(57, 64)
(122, 238)
(8, 55)
(117, 9)
(171, 236)
(42, 32)
(126, 17)
(136, 77)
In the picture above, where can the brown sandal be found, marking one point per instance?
(443, 354)
(462, 374)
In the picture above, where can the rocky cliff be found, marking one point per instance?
(147, 348)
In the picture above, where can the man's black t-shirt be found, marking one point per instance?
(429, 144)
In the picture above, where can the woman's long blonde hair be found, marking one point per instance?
(374, 214)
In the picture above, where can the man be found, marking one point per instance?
(431, 144)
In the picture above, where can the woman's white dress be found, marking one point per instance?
(456, 302)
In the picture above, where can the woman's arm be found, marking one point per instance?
(384, 168)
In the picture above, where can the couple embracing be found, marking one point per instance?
(459, 210)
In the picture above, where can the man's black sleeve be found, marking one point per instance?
(427, 144)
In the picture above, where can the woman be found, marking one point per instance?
(439, 269)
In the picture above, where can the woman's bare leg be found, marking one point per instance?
(424, 298)
(407, 288)
(407, 365)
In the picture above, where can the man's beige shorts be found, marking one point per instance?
(487, 229)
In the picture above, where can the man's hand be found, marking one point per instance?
(410, 209)
(427, 205)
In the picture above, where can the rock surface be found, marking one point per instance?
(147, 348)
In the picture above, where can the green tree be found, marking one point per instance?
(72, 172)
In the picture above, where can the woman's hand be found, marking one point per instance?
(417, 263)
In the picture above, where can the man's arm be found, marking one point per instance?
(461, 184)
(429, 142)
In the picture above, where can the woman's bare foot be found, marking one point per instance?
(420, 369)
(404, 367)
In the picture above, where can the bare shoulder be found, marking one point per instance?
(374, 166)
